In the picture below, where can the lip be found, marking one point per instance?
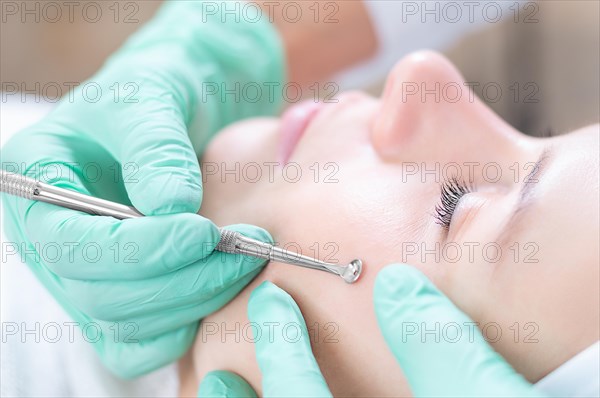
(294, 122)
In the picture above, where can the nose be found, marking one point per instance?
(428, 112)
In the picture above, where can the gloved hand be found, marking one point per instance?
(288, 366)
(123, 136)
(403, 295)
(467, 367)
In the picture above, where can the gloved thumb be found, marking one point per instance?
(160, 169)
(220, 383)
(451, 358)
(285, 358)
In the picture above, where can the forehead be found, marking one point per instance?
(569, 190)
(578, 157)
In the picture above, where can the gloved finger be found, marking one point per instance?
(136, 357)
(158, 166)
(75, 245)
(220, 383)
(50, 157)
(132, 322)
(283, 350)
(65, 157)
(160, 169)
(191, 286)
(458, 362)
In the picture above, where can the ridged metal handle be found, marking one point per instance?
(18, 185)
(28, 188)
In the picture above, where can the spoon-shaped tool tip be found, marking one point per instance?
(352, 271)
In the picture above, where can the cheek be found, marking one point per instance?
(368, 214)
(234, 165)
(252, 140)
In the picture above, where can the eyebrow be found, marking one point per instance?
(527, 196)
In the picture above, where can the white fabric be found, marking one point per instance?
(578, 377)
(405, 26)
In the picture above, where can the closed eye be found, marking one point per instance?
(452, 190)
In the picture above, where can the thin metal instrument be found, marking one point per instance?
(231, 241)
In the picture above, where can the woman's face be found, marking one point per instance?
(515, 246)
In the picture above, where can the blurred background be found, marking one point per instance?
(550, 68)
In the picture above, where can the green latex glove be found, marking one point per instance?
(146, 282)
(403, 295)
(286, 361)
(463, 367)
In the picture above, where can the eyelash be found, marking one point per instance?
(452, 190)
